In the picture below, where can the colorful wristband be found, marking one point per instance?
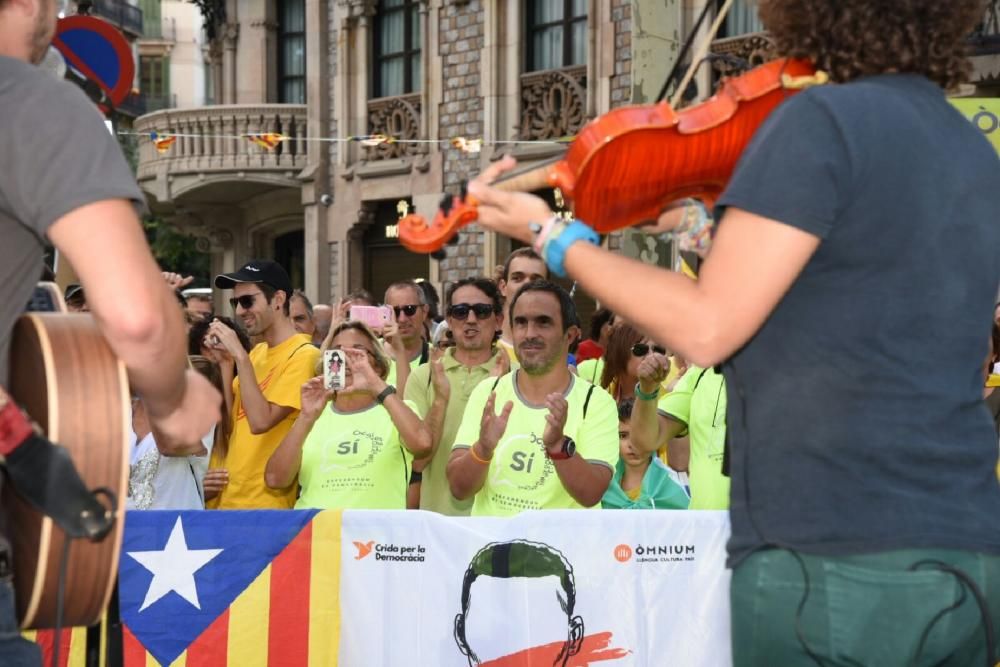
(560, 240)
(476, 458)
(643, 396)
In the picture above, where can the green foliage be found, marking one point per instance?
(176, 251)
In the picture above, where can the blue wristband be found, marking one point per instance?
(555, 250)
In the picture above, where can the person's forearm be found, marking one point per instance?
(413, 496)
(228, 372)
(256, 406)
(413, 432)
(584, 481)
(645, 426)
(435, 421)
(466, 476)
(284, 464)
(668, 306)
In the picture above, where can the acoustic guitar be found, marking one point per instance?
(64, 374)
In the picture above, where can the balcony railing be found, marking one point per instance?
(553, 103)
(161, 30)
(119, 13)
(213, 139)
(134, 105)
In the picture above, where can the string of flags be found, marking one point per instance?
(269, 141)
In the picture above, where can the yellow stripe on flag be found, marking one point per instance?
(181, 660)
(151, 661)
(248, 623)
(324, 590)
(30, 635)
(78, 648)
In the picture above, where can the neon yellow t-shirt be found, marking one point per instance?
(699, 401)
(391, 377)
(521, 477)
(354, 460)
(281, 372)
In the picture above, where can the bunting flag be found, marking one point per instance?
(470, 146)
(257, 588)
(373, 140)
(163, 142)
(267, 140)
(72, 646)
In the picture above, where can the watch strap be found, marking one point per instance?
(386, 393)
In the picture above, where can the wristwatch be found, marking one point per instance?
(386, 393)
(567, 451)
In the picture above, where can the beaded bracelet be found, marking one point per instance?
(694, 233)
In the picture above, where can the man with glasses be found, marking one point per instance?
(265, 397)
(441, 389)
(409, 303)
(554, 443)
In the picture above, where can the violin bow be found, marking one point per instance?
(688, 43)
(702, 53)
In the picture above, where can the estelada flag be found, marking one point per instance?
(163, 142)
(72, 646)
(267, 140)
(231, 588)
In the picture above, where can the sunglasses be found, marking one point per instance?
(460, 311)
(246, 300)
(409, 310)
(642, 349)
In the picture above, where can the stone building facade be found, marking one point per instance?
(517, 73)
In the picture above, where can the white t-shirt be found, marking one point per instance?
(158, 482)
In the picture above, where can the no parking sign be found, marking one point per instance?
(100, 52)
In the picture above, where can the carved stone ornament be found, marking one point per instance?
(553, 103)
(397, 118)
(358, 8)
(754, 49)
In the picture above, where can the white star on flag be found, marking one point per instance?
(173, 568)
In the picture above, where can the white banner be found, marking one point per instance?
(569, 588)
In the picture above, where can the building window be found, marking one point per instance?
(397, 48)
(292, 52)
(557, 34)
(742, 19)
(154, 82)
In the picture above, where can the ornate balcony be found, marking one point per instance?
(734, 55)
(121, 14)
(553, 103)
(212, 159)
(396, 117)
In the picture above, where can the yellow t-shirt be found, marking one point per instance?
(355, 460)
(509, 349)
(699, 401)
(414, 365)
(280, 372)
(521, 477)
(435, 493)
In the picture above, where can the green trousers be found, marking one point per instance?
(874, 610)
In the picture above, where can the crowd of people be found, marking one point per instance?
(478, 411)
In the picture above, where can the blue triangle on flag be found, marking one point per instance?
(160, 611)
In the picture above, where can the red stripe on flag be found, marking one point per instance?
(133, 652)
(288, 627)
(46, 640)
(210, 649)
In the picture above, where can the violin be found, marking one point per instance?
(626, 166)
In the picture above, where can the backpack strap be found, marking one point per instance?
(586, 402)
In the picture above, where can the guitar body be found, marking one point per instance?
(67, 378)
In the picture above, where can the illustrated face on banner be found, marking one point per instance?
(538, 603)
(527, 580)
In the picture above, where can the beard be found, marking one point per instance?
(43, 32)
(540, 364)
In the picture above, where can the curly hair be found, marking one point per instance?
(854, 38)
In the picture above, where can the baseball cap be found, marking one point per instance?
(264, 271)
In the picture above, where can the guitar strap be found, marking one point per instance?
(43, 474)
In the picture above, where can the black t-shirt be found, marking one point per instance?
(856, 416)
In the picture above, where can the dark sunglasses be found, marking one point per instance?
(410, 310)
(642, 349)
(246, 300)
(460, 311)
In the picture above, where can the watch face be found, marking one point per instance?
(569, 447)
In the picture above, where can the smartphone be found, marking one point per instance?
(375, 317)
(334, 370)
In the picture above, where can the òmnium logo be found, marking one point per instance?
(655, 553)
(391, 552)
